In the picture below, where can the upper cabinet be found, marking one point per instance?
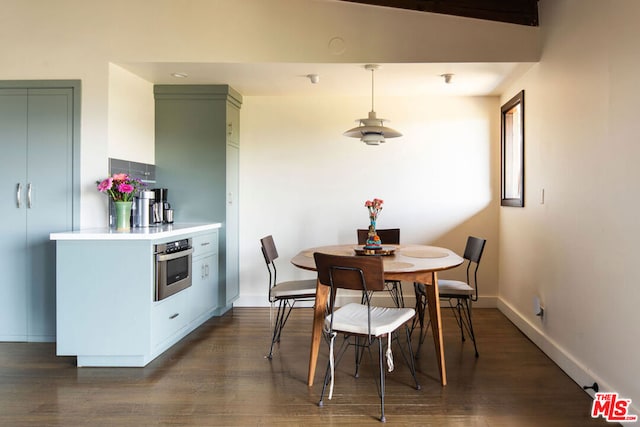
(197, 160)
(233, 124)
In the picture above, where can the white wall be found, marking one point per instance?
(131, 117)
(578, 252)
(306, 184)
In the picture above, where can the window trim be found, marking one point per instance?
(512, 166)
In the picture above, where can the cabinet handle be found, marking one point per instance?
(205, 244)
(29, 195)
(174, 255)
(18, 193)
(202, 271)
(230, 128)
(174, 316)
(206, 269)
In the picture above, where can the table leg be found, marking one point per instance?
(322, 293)
(433, 301)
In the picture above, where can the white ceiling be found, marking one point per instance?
(290, 79)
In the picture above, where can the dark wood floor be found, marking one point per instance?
(218, 376)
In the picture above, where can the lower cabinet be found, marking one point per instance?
(107, 316)
(204, 287)
(168, 317)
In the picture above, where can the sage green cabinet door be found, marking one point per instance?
(232, 291)
(197, 154)
(50, 204)
(36, 199)
(204, 289)
(13, 284)
(233, 125)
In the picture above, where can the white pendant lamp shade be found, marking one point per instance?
(372, 130)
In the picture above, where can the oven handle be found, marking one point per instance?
(175, 255)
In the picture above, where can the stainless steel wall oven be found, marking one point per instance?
(173, 267)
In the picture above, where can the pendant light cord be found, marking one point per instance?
(371, 130)
(372, 86)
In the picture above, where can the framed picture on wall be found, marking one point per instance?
(512, 152)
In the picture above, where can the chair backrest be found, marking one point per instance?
(269, 249)
(270, 253)
(473, 253)
(473, 250)
(390, 236)
(359, 273)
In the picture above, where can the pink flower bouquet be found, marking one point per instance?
(374, 206)
(120, 187)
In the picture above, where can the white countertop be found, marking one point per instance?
(136, 233)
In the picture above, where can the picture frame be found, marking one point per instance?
(512, 152)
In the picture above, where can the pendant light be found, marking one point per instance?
(371, 130)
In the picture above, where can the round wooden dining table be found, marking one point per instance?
(412, 263)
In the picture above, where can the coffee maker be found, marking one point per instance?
(142, 211)
(162, 212)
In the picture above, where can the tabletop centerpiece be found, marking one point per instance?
(374, 207)
(373, 244)
(121, 188)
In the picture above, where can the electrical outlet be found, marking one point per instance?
(538, 308)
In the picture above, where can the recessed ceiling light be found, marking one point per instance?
(180, 75)
(447, 77)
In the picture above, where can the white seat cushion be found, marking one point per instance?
(454, 287)
(294, 288)
(352, 318)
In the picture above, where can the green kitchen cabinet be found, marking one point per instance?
(107, 312)
(36, 198)
(197, 156)
(204, 289)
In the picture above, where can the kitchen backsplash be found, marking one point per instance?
(143, 171)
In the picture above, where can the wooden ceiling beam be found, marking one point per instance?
(521, 12)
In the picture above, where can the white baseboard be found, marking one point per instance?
(565, 360)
